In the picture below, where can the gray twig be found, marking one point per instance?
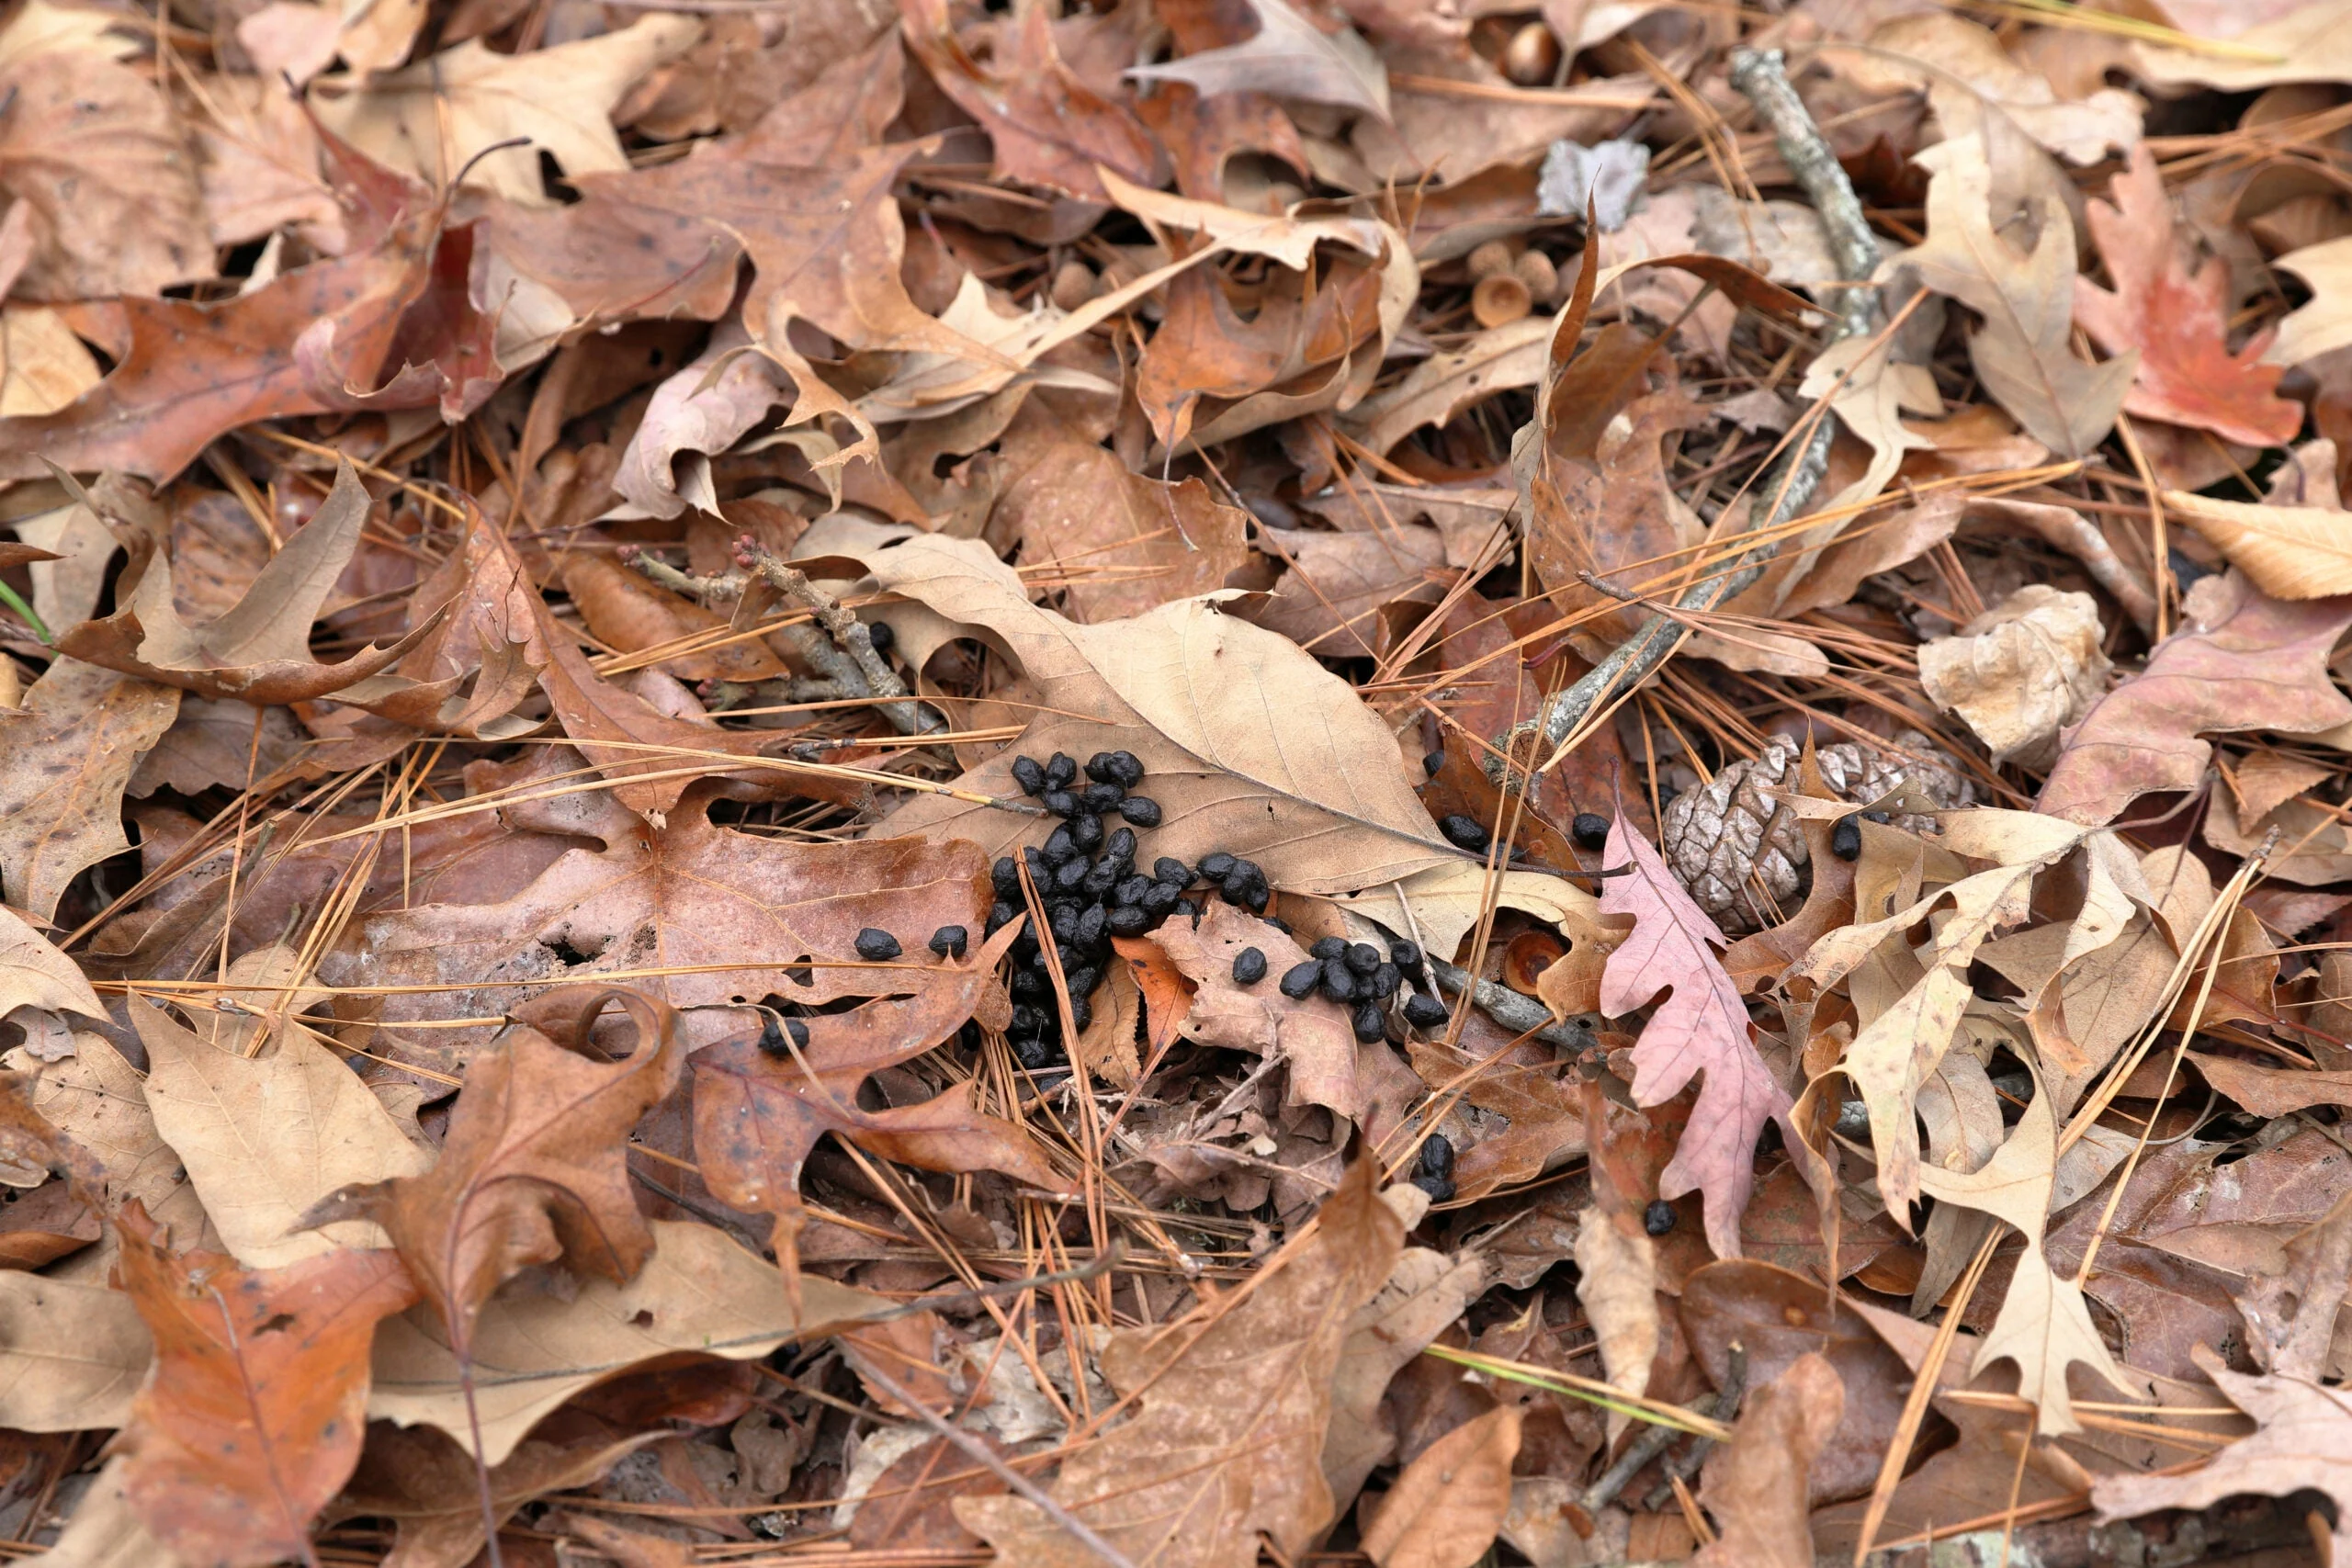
(1727, 1408)
(1518, 1013)
(1789, 484)
(1654, 1442)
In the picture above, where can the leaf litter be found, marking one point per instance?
(1063, 782)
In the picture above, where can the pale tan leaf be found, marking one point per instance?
(2024, 351)
(1757, 1485)
(72, 1354)
(1425, 1293)
(559, 100)
(33, 972)
(2324, 323)
(1289, 241)
(2312, 43)
(2289, 552)
(1287, 55)
(1448, 1503)
(70, 758)
(43, 365)
(1617, 1283)
(1495, 359)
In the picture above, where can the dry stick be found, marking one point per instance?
(1792, 480)
(1654, 1442)
(979, 1452)
(1519, 1013)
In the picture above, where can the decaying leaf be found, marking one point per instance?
(61, 800)
(1756, 1485)
(2288, 552)
(1448, 1503)
(2021, 672)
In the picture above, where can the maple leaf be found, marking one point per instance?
(1700, 1028)
(534, 1168)
(2239, 660)
(2177, 319)
(757, 1115)
(1227, 1440)
(2023, 351)
(253, 1413)
(2043, 1325)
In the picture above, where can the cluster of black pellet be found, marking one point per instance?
(1355, 975)
(1093, 886)
(1436, 1174)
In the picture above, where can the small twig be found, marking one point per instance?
(1518, 1013)
(1654, 1442)
(1792, 481)
(980, 1454)
(2063, 528)
(1686, 1464)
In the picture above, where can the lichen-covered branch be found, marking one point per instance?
(1788, 486)
(1516, 1012)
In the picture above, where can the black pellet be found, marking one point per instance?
(1037, 1053)
(1027, 1019)
(879, 634)
(1881, 818)
(774, 1030)
(1082, 1012)
(1060, 802)
(1091, 926)
(1069, 957)
(1120, 845)
(1846, 837)
(1362, 957)
(1425, 1012)
(1068, 877)
(1461, 832)
(1369, 1022)
(1440, 1190)
(1127, 769)
(1171, 871)
(1059, 850)
(1130, 921)
(1248, 966)
(1434, 762)
(1659, 1218)
(1099, 766)
(1029, 775)
(1437, 1155)
(1030, 984)
(1102, 796)
(1237, 886)
(1298, 982)
(1160, 897)
(1258, 895)
(1278, 923)
(1141, 810)
(1591, 830)
(1406, 955)
(874, 946)
(1385, 978)
(950, 942)
(1041, 870)
(1329, 947)
(1061, 770)
(1132, 890)
(1005, 877)
(1063, 921)
(1337, 983)
(1086, 831)
(1082, 980)
(1100, 878)
(1217, 866)
(1000, 914)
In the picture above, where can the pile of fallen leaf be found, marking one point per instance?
(1138, 782)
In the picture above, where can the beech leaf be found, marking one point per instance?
(1289, 57)
(2289, 552)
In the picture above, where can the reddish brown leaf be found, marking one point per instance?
(2179, 320)
(2240, 661)
(535, 1167)
(1755, 1485)
(253, 1413)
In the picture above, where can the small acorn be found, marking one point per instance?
(1536, 271)
(1489, 260)
(1532, 56)
(1073, 284)
(1502, 300)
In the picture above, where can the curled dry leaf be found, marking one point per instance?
(2288, 552)
(2240, 661)
(1289, 57)
(83, 731)
(534, 1168)
(252, 1420)
(2021, 672)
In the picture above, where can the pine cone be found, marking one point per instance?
(1741, 854)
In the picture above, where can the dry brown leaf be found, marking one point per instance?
(1617, 1283)
(1755, 1485)
(34, 974)
(2023, 351)
(444, 115)
(1126, 543)
(1311, 1037)
(1228, 1437)
(73, 1354)
(1251, 746)
(2021, 672)
(2239, 660)
(1448, 1503)
(252, 1418)
(2289, 552)
(427, 1486)
(70, 758)
(1289, 57)
(1425, 1293)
